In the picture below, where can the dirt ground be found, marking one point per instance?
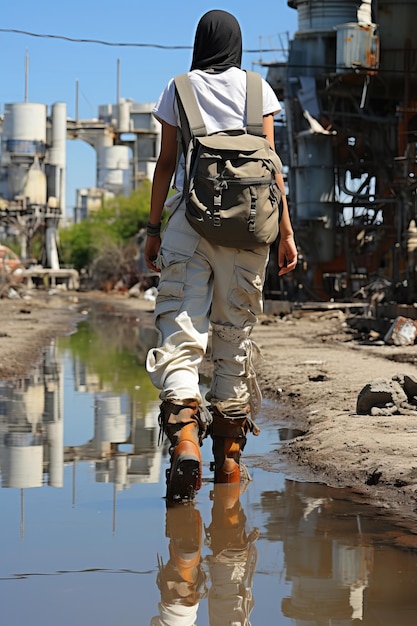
(312, 364)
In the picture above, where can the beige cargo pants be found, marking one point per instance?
(202, 285)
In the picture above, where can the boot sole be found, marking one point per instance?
(183, 480)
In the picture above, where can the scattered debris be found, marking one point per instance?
(135, 291)
(403, 332)
(375, 292)
(150, 294)
(388, 397)
(370, 330)
(374, 478)
(318, 378)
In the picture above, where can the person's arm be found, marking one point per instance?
(164, 171)
(287, 251)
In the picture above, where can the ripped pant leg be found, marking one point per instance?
(234, 395)
(234, 388)
(234, 379)
(238, 277)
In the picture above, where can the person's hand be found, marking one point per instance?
(287, 255)
(152, 246)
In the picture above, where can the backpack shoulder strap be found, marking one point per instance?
(254, 121)
(188, 106)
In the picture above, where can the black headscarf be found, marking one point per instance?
(217, 43)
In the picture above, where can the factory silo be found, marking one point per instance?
(23, 151)
(23, 460)
(114, 171)
(110, 422)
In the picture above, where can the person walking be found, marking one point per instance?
(205, 285)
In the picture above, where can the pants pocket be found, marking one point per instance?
(172, 278)
(247, 285)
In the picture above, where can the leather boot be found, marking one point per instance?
(184, 428)
(181, 581)
(229, 440)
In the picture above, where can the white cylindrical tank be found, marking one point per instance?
(24, 128)
(110, 422)
(115, 170)
(23, 146)
(114, 157)
(23, 461)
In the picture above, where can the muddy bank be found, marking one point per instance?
(312, 365)
(28, 324)
(316, 367)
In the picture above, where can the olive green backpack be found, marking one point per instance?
(230, 192)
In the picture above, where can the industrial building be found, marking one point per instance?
(126, 140)
(349, 85)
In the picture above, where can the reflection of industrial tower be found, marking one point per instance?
(32, 429)
(114, 429)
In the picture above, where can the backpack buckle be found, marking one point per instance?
(217, 203)
(252, 213)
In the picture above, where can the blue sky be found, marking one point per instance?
(55, 65)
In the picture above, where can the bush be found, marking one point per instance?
(106, 232)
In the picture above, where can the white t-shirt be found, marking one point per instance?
(221, 99)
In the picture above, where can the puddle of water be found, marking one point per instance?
(86, 537)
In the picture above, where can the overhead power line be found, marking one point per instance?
(101, 42)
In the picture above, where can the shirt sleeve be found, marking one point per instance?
(271, 103)
(165, 107)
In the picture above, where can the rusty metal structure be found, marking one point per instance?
(349, 86)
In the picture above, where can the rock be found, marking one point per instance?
(387, 396)
(409, 384)
(135, 291)
(377, 393)
(403, 332)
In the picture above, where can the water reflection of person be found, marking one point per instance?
(230, 567)
(181, 581)
(233, 559)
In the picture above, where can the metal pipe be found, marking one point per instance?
(26, 77)
(76, 100)
(118, 81)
